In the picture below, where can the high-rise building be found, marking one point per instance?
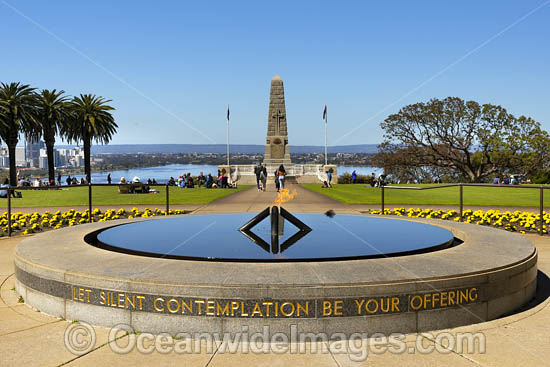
(57, 161)
(4, 161)
(32, 153)
(43, 162)
(20, 157)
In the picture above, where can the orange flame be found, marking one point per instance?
(285, 195)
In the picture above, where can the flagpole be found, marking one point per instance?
(228, 142)
(326, 123)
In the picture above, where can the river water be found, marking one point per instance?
(162, 173)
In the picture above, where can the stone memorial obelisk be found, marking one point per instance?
(277, 150)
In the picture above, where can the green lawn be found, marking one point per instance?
(108, 195)
(473, 196)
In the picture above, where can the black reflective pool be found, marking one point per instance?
(216, 237)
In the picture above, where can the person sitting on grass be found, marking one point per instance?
(325, 185)
(382, 180)
(82, 181)
(373, 181)
(171, 181)
(23, 182)
(209, 181)
(189, 181)
(202, 180)
(4, 193)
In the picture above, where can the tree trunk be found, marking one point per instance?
(50, 141)
(13, 169)
(87, 152)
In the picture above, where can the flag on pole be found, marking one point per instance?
(227, 112)
(325, 114)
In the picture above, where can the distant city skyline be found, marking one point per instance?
(171, 69)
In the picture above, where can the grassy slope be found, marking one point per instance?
(476, 196)
(104, 195)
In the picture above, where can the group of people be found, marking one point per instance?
(136, 186)
(261, 177)
(208, 181)
(378, 182)
(509, 180)
(74, 181)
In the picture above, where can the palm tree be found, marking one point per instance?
(17, 114)
(52, 116)
(90, 120)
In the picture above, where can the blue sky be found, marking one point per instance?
(174, 64)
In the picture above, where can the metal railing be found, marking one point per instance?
(461, 195)
(58, 187)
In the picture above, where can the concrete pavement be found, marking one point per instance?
(28, 337)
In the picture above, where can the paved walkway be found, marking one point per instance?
(28, 337)
(252, 200)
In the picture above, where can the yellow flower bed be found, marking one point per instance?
(36, 222)
(517, 221)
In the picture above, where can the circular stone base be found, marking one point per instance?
(491, 273)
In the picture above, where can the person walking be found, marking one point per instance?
(281, 173)
(353, 176)
(263, 178)
(277, 182)
(329, 178)
(109, 178)
(58, 178)
(258, 172)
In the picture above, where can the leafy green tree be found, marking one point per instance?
(17, 115)
(90, 120)
(52, 116)
(463, 138)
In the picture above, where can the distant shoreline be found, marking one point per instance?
(221, 148)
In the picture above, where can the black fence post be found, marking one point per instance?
(461, 201)
(167, 199)
(541, 210)
(90, 202)
(382, 198)
(9, 211)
